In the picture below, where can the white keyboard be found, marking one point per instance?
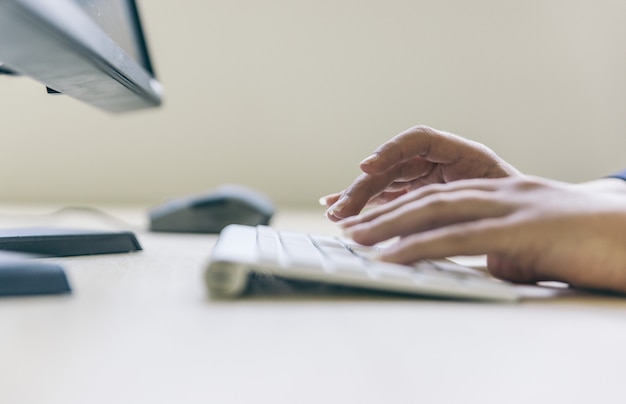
(243, 253)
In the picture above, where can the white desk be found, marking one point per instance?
(139, 328)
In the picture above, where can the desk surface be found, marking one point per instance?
(139, 328)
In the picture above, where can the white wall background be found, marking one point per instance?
(287, 96)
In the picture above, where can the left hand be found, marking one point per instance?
(415, 158)
(531, 229)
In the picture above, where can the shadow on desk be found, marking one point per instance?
(263, 287)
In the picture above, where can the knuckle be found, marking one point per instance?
(421, 129)
(414, 132)
(526, 184)
(461, 234)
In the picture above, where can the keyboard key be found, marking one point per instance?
(267, 245)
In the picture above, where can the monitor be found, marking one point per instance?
(92, 50)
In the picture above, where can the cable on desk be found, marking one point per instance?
(101, 214)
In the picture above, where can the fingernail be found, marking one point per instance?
(370, 159)
(323, 200)
(338, 206)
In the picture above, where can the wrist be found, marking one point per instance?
(610, 184)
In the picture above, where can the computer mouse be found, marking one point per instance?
(211, 211)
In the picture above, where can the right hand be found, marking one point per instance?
(414, 158)
(531, 229)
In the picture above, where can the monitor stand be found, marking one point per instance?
(22, 274)
(63, 242)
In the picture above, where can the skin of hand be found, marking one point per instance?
(532, 229)
(416, 157)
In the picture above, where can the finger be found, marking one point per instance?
(431, 212)
(358, 195)
(393, 191)
(330, 199)
(387, 196)
(367, 188)
(428, 144)
(486, 185)
(469, 238)
(391, 206)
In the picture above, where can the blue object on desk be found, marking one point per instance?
(61, 242)
(20, 277)
(21, 273)
(211, 211)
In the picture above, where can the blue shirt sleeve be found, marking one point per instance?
(621, 175)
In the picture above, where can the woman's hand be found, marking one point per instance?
(414, 158)
(531, 229)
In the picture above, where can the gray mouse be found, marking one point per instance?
(210, 212)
